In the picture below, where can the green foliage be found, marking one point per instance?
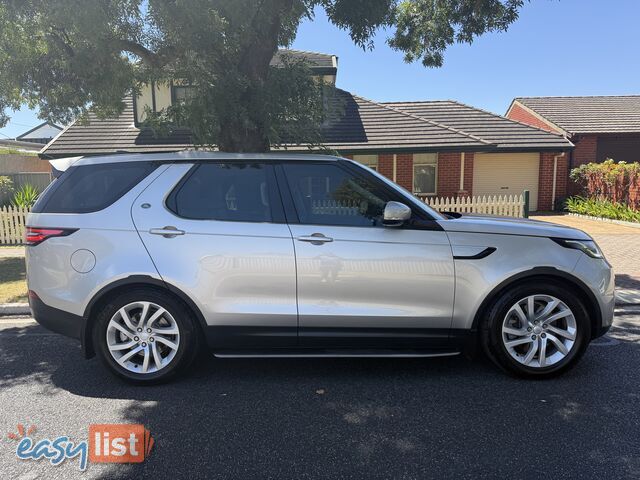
(425, 28)
(6, 186)
(602, 208)
(68, 56)
(15, 151)
(290, 106)
(618, 182)
(25, 196)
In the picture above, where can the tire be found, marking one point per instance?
(162, 351)
(505, 326)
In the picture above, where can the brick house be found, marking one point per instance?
(601, 127)
(432, 148)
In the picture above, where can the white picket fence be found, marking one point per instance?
(501, 205)
(12, 225)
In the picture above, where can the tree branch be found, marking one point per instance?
(155, 59)
(60, 37)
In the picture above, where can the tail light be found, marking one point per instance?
(35, 235)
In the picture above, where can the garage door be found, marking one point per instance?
(507, 174)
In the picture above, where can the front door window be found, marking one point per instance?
(325, 194)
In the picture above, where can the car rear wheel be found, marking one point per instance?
(537, 329)
(145, 336)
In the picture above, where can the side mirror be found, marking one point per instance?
(395, 214)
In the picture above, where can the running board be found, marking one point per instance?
(334, 354)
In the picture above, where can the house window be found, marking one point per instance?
(425, 173)
(182, 93)
(370, 161)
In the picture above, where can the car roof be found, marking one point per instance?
(189, 156)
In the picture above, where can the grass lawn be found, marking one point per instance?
(13, 287)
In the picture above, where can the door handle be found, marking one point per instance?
(167, 232)
(315, 239)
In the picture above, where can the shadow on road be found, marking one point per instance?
(358, 418)
(627, 281)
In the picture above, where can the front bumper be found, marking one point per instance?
(598, 275)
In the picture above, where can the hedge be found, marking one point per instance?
(610, 181)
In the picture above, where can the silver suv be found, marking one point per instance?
(148, 258)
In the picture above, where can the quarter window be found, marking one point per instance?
(425, 173)
(90, 188)
(326, 194)
(226, 192)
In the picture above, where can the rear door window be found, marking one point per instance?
(90, 188)
(236, 192)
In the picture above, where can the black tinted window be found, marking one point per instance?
(227, 192)
(328, 195)
(90, 188)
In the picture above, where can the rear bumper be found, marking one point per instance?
(56, 320)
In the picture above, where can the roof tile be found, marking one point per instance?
(597, 114)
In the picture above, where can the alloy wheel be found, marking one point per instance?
(143, 337)
(539, 331)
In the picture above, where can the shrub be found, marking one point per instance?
(6, 187)
(602, 208)
(615, 182)
(26, 196)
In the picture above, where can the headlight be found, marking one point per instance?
(587, 246)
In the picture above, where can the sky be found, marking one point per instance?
(556, 47)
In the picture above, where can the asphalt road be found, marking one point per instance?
(335, 418)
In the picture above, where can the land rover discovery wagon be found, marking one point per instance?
(147, 259)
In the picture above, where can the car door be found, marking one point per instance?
(361, 284)
(216, 231)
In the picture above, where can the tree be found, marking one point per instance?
(69, 56)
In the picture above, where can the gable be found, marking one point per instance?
(520, 114)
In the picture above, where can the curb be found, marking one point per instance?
(15, 309)
(605, 220)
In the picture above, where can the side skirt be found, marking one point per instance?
(332, 354)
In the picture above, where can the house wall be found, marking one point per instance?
(586, 151)
(404, 170)
(15, 163)
(618, 147)
(468, 174)
(448, 177)
(520, 114)
(146, 98)
(385, 165)
(545, 182)
(597, 148)
(449, 174)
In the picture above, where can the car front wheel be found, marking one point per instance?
(537, 329)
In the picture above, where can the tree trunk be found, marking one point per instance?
(253, 65)
(233, 138)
